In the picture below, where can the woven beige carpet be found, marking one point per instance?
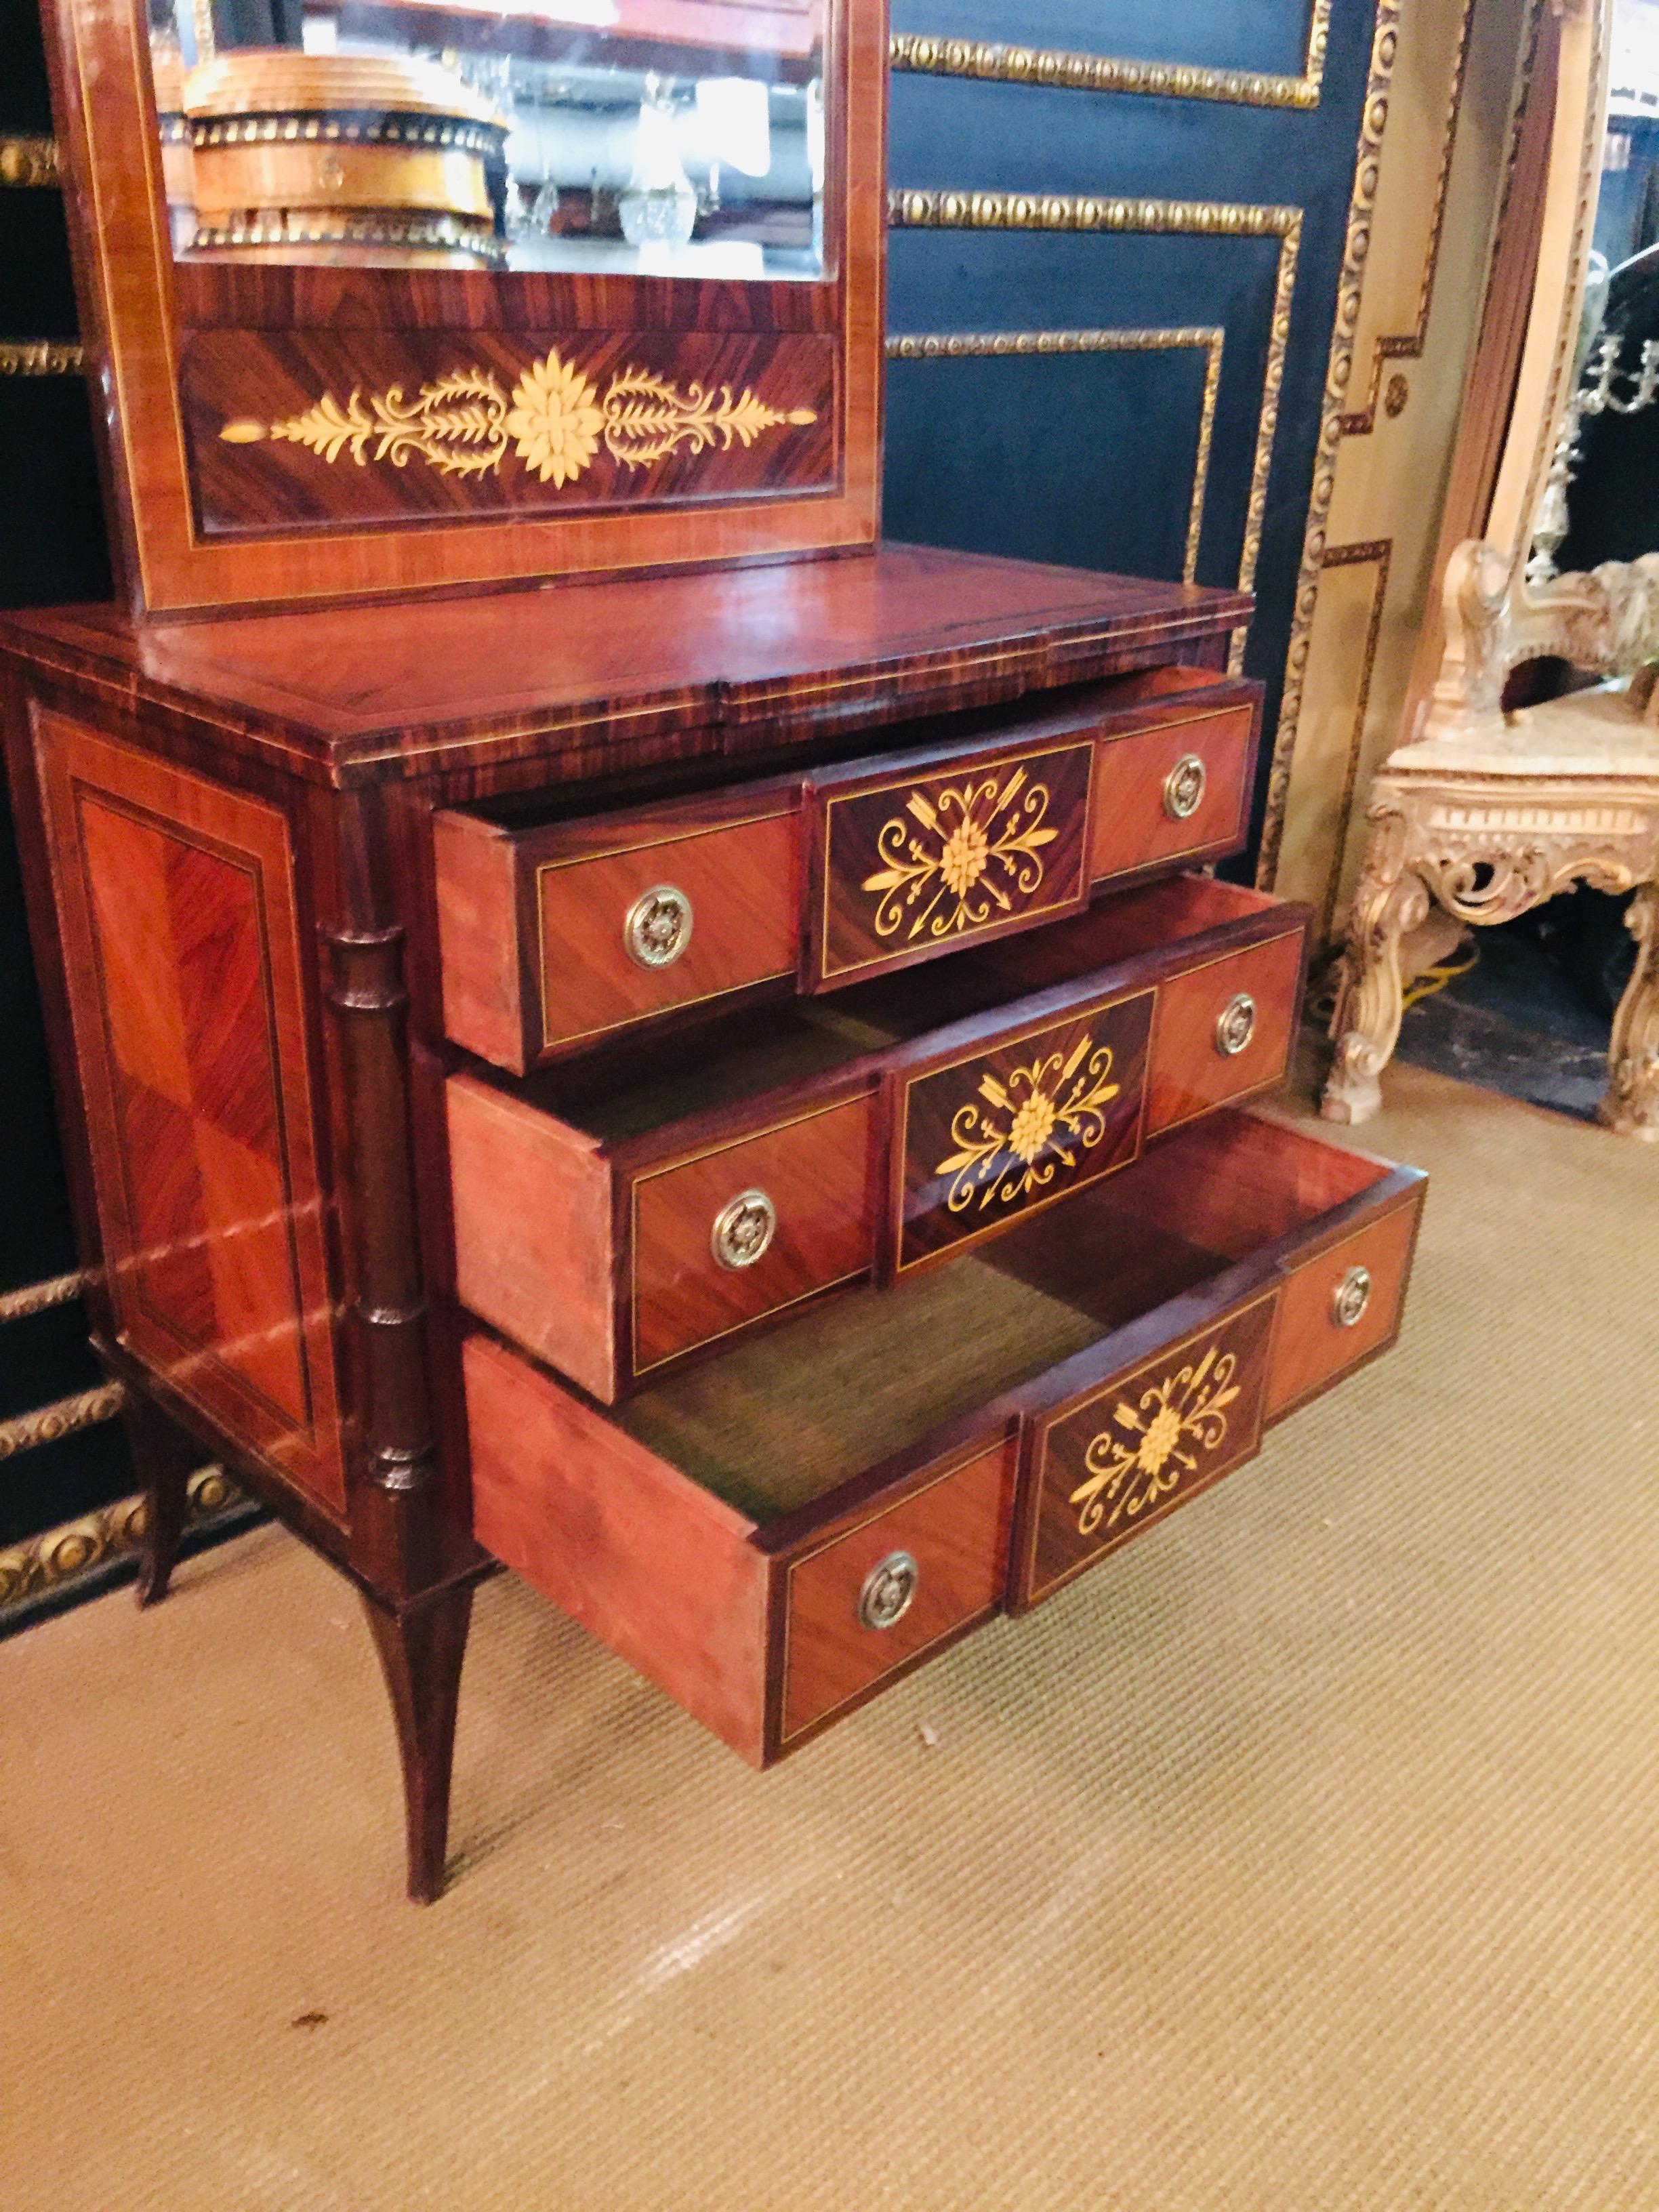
(1307, 1857)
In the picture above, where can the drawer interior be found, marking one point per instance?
(775, 1425)
(623, 1093)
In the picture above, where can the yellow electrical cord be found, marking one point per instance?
(1437, 978)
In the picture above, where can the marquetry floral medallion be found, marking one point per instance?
(553, 421)
(957, 861)
(1155, 1443)
(1018, 1134)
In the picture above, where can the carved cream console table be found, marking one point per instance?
(1487, 825)
(1485, 814)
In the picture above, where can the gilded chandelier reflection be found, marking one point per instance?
(466, 424)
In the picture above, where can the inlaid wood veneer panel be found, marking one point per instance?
(993, 1134)
(184, 979)
(1146, 1442)
(1191, 1073)
(916, 864)
(815, 1169)
(740, 880)
(955, 1529)
(1131, 827)
(1314, 1343)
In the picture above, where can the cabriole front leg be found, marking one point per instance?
(1365, 1026)
(1630, 1105)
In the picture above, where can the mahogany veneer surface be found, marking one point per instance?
(891, 1126)
(1133, 1361)
(555, 671)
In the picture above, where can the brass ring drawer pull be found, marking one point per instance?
(743, 1229)
(1353, 1295)
(1237, 1025)
(888, 1591)
(1184, 787)
(658, 927)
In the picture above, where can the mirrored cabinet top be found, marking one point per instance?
(644, 137)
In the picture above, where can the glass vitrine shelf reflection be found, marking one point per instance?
(668, 137)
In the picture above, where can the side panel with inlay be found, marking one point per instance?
(184, 979)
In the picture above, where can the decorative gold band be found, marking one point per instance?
(31, 162)
(39, 1298)
(308, 179)
(49, 1562)
(48, 1423)
(1039, 65)
(41, 357)
(260, 228)
(948, 210)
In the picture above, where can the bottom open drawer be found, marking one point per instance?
(775, 1535)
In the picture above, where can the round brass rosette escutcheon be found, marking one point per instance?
(1352, 1295)
(658, 927)
(1237, 1025)
(888, 1589)
(743, 1229)
(1184, 787)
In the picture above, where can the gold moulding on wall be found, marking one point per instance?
(466, 423)
(996, 345)
(928, 55)
(61, 1556)
(28, 162)
(41, 357)
(330, 157)
(1061, 211)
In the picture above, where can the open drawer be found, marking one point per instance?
(622, 1213)
(560, 931)
(777, 1534)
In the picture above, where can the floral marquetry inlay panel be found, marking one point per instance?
(989, 1137)
(410, 423)
(1146, 1442)
(914, 866)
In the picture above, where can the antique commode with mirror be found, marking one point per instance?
(719, 1089)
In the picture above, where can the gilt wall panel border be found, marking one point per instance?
(1065, 211)
(930, 55)
(970, 345)
(1374, 117)
(1408, 346)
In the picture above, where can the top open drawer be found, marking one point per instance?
(558, 934)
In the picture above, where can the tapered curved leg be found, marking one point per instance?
(1632, 1103)
(421, 1653)
(164, 1458)
(1391, 900)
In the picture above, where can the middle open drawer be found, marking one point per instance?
(622, 1213)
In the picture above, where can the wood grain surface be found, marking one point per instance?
(176, 900)
(818, 1168)
(532, 688)
(955, 1529)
